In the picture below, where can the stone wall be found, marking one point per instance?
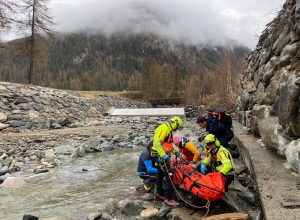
(27, 107)
(270, 85)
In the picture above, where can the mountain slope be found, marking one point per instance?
(94, 61)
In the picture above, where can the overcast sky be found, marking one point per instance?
(189, 20)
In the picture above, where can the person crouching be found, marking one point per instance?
(146, 168)
(218, 159)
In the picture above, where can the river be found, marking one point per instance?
(69, 191)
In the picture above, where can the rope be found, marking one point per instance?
(186, 202)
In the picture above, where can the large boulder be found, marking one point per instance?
(244, 99)
(272, 136)
(293, 154)
(288, 106)
(288, 52)
(261, 111)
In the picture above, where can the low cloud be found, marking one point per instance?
(194, 21)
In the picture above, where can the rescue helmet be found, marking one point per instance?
(211, 139)
(176, 123)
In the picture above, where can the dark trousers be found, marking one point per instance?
(148, 178)
(162, 176)
(227, 137)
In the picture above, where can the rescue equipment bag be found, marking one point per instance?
(210, 187)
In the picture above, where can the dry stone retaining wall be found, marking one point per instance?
(270, 85)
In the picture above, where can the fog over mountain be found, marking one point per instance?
(194, 21)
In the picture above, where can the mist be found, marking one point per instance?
(193, 21)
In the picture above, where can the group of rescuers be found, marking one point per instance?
(153, 165)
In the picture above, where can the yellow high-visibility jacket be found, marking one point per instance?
(160, 134)
(222, 160)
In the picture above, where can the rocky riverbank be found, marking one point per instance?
(27, 107)
(46, 132)
(26, 156)
(50, 148)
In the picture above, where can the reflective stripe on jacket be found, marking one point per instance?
(223, 161)
(160, 134)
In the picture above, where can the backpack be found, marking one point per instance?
(222, 117)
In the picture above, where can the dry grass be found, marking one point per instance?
(95, 94)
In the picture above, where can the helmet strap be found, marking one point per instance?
(215, 150)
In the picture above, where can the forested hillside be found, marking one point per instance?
(96, 62)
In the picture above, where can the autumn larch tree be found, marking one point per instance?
(37, 23)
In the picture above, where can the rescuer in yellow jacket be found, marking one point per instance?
(218, 158)
(162, 134)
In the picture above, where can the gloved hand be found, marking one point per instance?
(166, 157)
(203, 168)
(177, 154)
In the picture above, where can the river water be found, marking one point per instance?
(69, 191)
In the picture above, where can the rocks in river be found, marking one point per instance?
(64, 150)
(111, 206)
(147, 196)
(13, 182)
(4, 177)
(132, 207)
(149, 212)
(106, 146)
(49, 156)
(89, 150)
(163, 211)
(105, 216)
(41, 169)
(83, 217)
(3, 170)
(125, 145)
(30, 217)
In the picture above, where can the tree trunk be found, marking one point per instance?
(32, 44)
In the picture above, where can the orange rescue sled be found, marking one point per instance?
(210, 187)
